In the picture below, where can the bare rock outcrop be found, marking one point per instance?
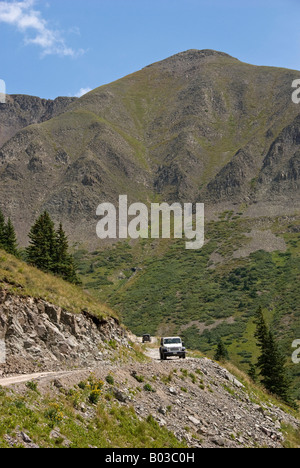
(19, 111)
(39, 336)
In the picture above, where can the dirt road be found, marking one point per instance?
(7, 381)
(192, 396)
(151, 350)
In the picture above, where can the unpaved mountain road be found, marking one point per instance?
(152, 351)
(196, 399)
(17, 379)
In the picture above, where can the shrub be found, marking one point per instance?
(95, 387)
(94, 396)
(32, 386)
(139, 378)
(113, 344)
(54, 413)
(192, 377)
(148, 388)
(110, 380)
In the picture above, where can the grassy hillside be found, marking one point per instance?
(57, 421)
(24, 280)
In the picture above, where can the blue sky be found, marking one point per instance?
(53, 48)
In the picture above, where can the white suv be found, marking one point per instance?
(171, 346)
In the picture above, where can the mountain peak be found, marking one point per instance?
(196, 53)
(191, 56)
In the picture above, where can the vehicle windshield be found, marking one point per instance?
(172, 340)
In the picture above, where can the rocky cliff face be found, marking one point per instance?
(277, 176)
(281, 167)
(39, 336)
(19, 111)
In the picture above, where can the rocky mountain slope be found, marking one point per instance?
(197, 403)
(107, 390)
(48, 324)
(198, 126)
(20, 111)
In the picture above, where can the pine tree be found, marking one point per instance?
(48, 249)
(271, 362)
(276, 379)
(11, 245)
(2, 231)
(261, 328)
(8, 240)
(61, 250)
(64, 264)
(42, 248)
(262, 334)
(221, 352)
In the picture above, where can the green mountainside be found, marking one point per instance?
(161, 288)
(198, 126)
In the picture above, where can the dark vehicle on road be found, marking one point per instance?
(146, 338)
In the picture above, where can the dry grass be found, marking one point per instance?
(22, 279)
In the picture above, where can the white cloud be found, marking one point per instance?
(83, 91)
(29, 21)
